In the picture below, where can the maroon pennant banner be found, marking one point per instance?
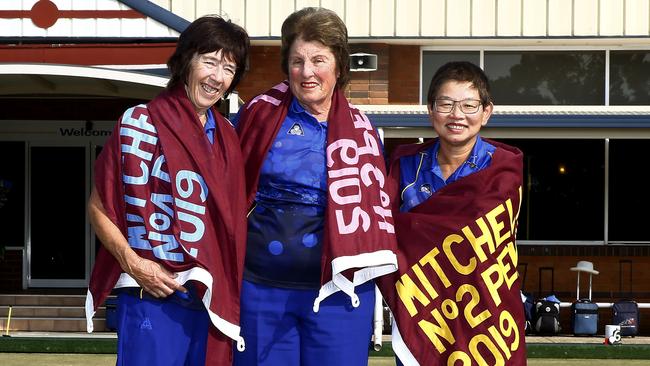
(455, 298)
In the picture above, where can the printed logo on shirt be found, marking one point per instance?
(426, 188)
(472, 161)
(146, 324)
(296, 130)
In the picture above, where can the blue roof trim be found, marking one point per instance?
(155, 12)
(524, 121)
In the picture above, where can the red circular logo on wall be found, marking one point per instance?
(44, 13)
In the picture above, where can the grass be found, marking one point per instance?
(52, 359)
(58, 345)
(535, 350)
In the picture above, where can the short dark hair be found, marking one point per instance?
(323, 26)
(208, 34)
(460, 71)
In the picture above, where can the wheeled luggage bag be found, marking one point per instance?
(626, 314)
(584, 317)
(584, 312)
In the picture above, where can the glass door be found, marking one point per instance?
(58, 242)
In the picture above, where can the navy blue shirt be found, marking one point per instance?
(420, 174)
(285, 229)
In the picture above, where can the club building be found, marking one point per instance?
(570, 79)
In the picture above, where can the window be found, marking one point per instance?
(546, 78)
(628, 192)
(563, 190)
(58, 212)
(629, 78)
(432, 60)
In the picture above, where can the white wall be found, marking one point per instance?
(440, 18)
(382, 19)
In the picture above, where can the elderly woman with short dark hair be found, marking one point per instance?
(168, 206)
(319, 228)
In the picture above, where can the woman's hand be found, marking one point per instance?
(153, 278)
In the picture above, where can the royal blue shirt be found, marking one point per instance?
(210, 126)
(420, 174)
(285, 229)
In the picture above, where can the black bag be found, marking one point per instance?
(584, 317)
(547, 318)
(626, 314)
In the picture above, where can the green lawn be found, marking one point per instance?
(85, 351)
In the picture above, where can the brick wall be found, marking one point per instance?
(404, 75)
(624, 271)
(11, 271)
(370, 87)
(264, 72)
(396, 80)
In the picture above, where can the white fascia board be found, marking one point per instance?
(82, 72)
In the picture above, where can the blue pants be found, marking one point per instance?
(160, 332)
(281, 329)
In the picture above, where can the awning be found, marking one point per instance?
(60, 80)
(522, 116)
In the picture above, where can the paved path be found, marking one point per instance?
(570, 339)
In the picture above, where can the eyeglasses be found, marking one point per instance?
(467, 106)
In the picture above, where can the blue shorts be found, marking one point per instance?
(160, 332)
(281, 329)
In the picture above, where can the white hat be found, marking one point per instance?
(585, 266)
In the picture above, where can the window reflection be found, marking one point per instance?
(432, 60)
(58, 211)
(546, 78)
(563, 189)
(629, 78)
(628, 197)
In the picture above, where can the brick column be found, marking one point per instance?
(404, 74)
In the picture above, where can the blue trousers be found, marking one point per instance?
(281, 329)
(160, 332)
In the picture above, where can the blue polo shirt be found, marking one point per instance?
(285, 229)
(210, 126)
(420, 174)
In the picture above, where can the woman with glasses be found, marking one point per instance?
(455, 295)
(459, 104)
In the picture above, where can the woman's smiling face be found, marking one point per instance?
(457, 128)
(313, 73)
(210, 76)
